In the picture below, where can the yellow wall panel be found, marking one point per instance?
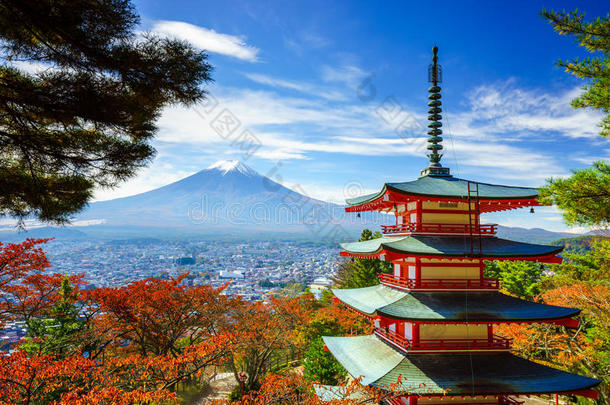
(432, 218)
(450, 272)
(439, 331)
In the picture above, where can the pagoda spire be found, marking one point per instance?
(434, 127)
(435, 77)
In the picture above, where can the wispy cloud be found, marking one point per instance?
(493, 110)
(208, 39)
(348, 74)
(299, 86)
(484, 139)
(294, 128)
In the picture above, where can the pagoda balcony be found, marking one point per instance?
(433, 345)
(502, 400)
(439, 284)
(451, 229)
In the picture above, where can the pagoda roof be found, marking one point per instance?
(448, 306)
(426, 245)
(448, 187)
(380, 365)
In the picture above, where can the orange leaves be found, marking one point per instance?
(20, 259)
(165, 371)
(276, 389)
(120, 380)
(39, 378)
(156, 315)
(592, 299)
(295, 389)
(113, 395)
(349, 321)
(568, 348)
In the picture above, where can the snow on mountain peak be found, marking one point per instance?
(227, 166)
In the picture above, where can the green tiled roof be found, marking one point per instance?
(453, 374)
(364, 356)
(449, 187)
(450, 306)
(369, 299)
(449, 246)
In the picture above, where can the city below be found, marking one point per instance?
(252, 270)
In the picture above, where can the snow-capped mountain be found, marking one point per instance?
(227, 166)
(230, 199)
(227, 196)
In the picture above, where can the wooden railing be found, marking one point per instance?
(503, 400)
(436, 284)
(398, 401)
(483, 229)
(495, 343)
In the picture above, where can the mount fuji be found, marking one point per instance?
(227, 197)
(230, 200)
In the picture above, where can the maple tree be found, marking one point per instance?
(579, 282)
(131, 344)
(158, 317)
(25, 290)
(585, 349)
(49, 378)
(260, 337)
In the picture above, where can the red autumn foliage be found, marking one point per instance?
(143, 339)
(158, 316)
(25, 289)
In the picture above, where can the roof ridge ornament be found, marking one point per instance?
(435, 76)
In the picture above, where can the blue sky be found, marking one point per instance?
(297, 77)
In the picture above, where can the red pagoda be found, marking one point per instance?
(434, 316)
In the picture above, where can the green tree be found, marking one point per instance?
(319, 365)
(594, 36)
(519, 278)
(587, 265)
(86, 117)
(59, 330)
(583, 197)
(358, 272)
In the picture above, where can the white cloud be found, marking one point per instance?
(30, 67)
(302, 87)
(348, 74)
(10, 224)
(158, 174)
(498, 109)
(486, 139)
(293, 128)
(208, 39)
